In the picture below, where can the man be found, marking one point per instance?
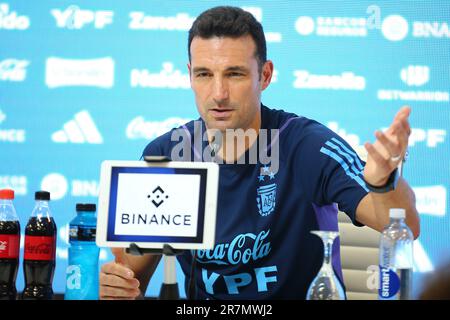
(265, 250)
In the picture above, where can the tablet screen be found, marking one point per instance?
(156, 204)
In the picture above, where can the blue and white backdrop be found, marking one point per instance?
(84, 81)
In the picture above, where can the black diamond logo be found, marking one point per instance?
(157, 196)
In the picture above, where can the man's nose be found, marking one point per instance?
(221, 91)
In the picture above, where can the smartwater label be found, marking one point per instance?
(389, 284)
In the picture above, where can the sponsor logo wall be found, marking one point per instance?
(82, 82)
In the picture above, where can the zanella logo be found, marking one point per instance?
(140, 21)
(70, 72)
(242, 249)
(345, 81)
(81, 129)
(157, 196)
(10, 20)
(75, 18)
(13, 70)
(3, 245)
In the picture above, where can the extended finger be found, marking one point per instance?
(392, 147)
(115, 281)
(375, 155)
(401, 131)
(403, 113)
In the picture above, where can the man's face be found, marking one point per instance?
(226, 81)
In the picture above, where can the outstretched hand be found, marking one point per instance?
(385, 154)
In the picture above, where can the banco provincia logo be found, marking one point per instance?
(266, 195)
(157, 196)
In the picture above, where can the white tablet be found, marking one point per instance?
(156, 203)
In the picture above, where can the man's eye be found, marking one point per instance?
(202, 75)
(235, 74)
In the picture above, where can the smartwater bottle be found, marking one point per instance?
(396, 258)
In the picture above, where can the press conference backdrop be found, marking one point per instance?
(84, 81)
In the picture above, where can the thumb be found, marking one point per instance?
(120, 255)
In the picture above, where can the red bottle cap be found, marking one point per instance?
(6, 194)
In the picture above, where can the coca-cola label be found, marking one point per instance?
(39, 248)
(9, 246)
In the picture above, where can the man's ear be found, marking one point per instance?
(189, 70)
(266, 74)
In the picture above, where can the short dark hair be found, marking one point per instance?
(226, 21)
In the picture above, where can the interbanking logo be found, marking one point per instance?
(75, 72)
(10, 20)
(168, 77)
(14, 70)
(414, 76)
(81, 129)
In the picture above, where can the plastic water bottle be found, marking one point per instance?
(396, 258)
(82, 272)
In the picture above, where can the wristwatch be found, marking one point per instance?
(390, 185)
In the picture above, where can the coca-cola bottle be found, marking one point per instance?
(9, 245)
(40, 251)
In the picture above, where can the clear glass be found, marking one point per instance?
(326, 285)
